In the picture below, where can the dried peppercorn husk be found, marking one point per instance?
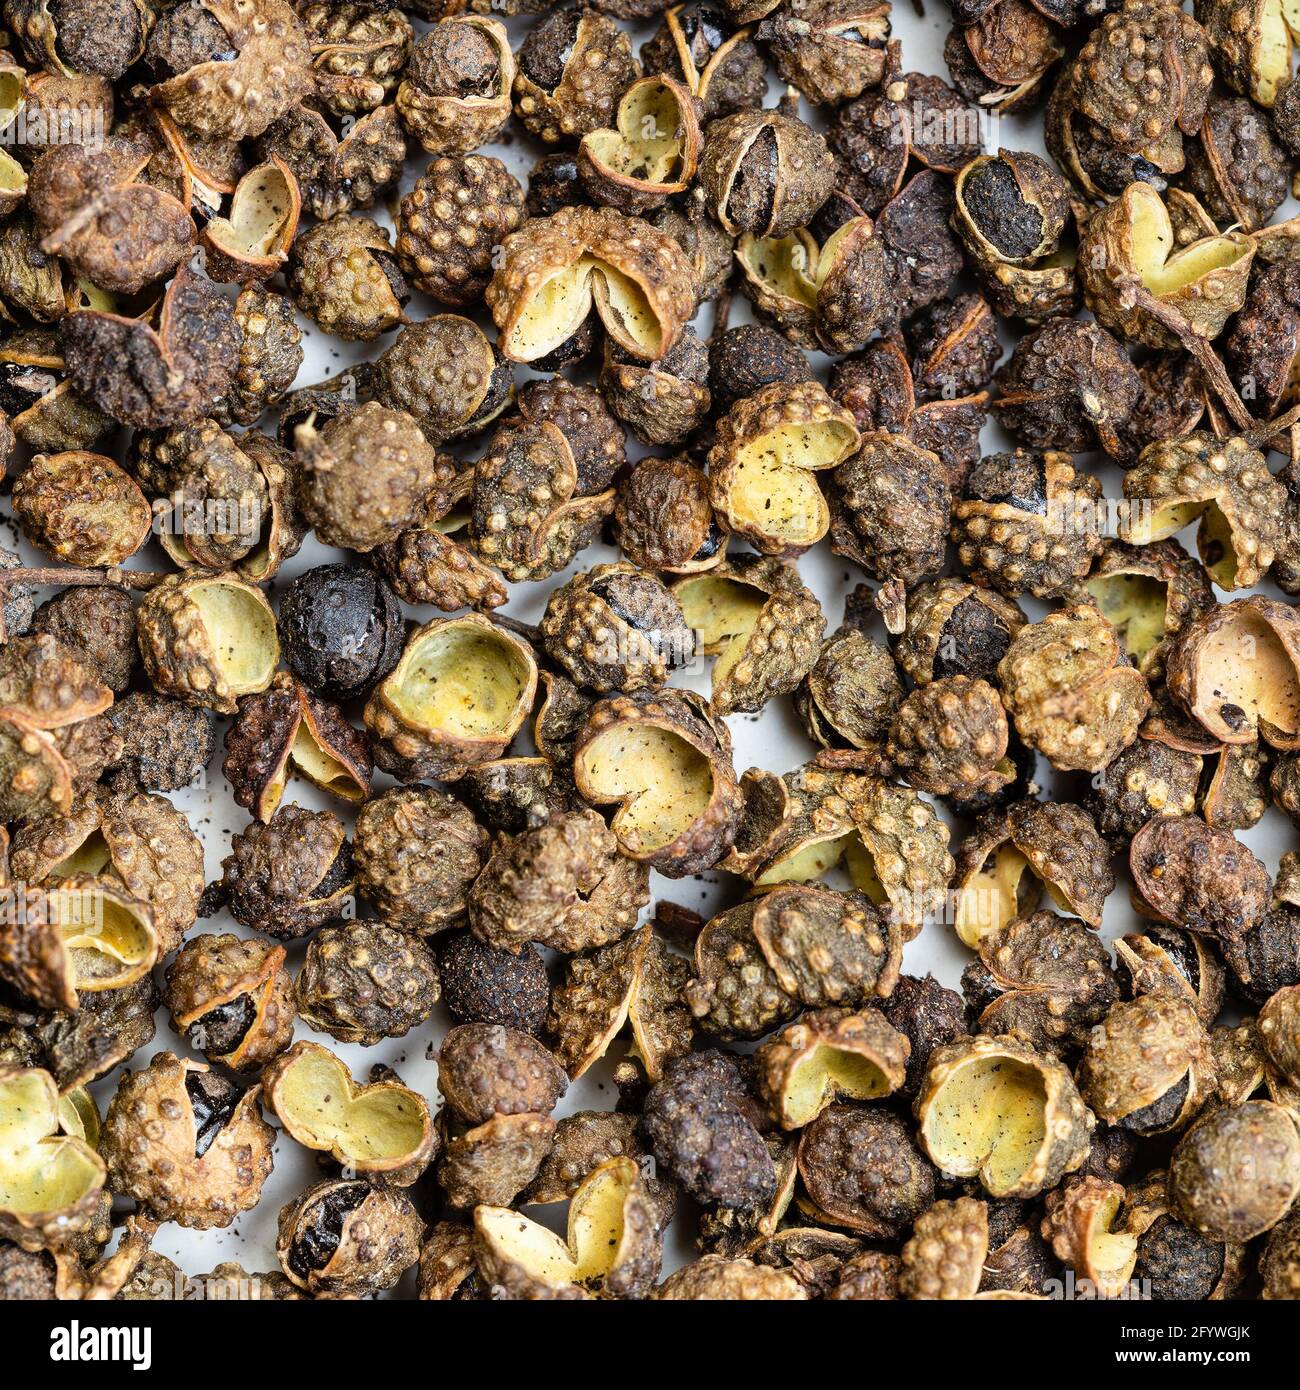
(1042, 980)
(1250, 45)
(1146, 779)
(1068, 386)
(581, 414)
(493, 1163)
(1224, 483)
(1149, 594)
(486, 1070)
(80, 934)
(89, 208)
(862, 1171)
(451, 223)
(1169, 961)
(1194, 876)
(337, 173)
(1043, 1130)
(251, 242)
(358, 53)
(825, 948)
(616, 628)
(291, 874)
(831, 50)
(829, 1055)
(1012, 209)
(954, 628)
(1011, 856)
(1095, 1228)
(665, 760)
(417, 852)
(735, 993)
(231, 999)
(52, 1180)
(955, 347)
(155, 378)
(663, 518)
(139, 842)
(104, 1032)
(186, 1144)
(424, 565)
(216, 503)
(572, 68)
(563, 884)
(1279, 1265)
(613, 1245)
(715, 1277)
(346, 1238)
(1262, 346)
(592, 1004)
(363, 982)
(849, 696)
(876, 135)
(665, 401)
(1027, 523)
(1071, 697)
(71, 39)
(833, 296)
(381, 1130)
(555, 269)
(1236, 1172)
(270, 354)
(650, 154)
(760, 621)
(81, 508)
(1148, 1066)
(246, 65)
(761, 468)
(446, 374)
(1133, 245)
(455, 93)
(798, 827)
(1003, 59)
(950, 738)
(1234, 669)
(366, 474)
(1107, 120)
(720, 65)
(876, 386)
(891, 514)
(208, 639)
(1237, 168)
(344, 275)
(764, 172)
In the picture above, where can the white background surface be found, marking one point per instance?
(773, 740)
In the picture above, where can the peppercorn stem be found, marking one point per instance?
(525, 630)
(1216, 375)
(83, 578)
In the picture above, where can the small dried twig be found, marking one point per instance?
(525, 630)
(70, 577)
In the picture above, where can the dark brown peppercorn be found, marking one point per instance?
(700, 1121)
(485, 1070)
(341, 630)
(485, 984)
(166, 743)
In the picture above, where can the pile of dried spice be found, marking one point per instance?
(1036, 692)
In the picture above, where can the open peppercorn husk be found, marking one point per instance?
(555, 269)
(1133, 260)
